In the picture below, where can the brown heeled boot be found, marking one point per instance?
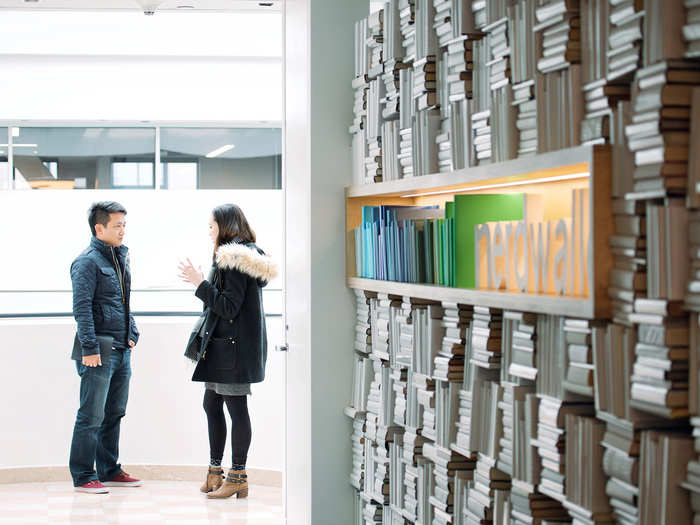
(215, 478)
(235, 483)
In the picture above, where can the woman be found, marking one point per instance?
(230, 344)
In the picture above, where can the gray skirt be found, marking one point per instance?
(229, 389)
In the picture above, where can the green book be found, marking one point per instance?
(471, 210)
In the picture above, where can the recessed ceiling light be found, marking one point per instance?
(265, 4)
(185, 6)
(219, 151)
(31, 1)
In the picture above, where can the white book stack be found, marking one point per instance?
(442, 23)
(628, 279)
(373, 513)
(477, 405)
(524, 55)
(601, 101)
(392, 50)
(360, 86)
(428, 334)
(625, 39)
(488, 480)
(664, 461)
(586, 499)
(381, 474)
(426, 128)
(396, 477)
(425, 83)
(621, 465)
(379, 310)
(373, 162)
(461, 483)
(559, 109)
(691, 29)
(579, 335)
(425, 390)
(504, 132)
(446, 466)
(362, 379)
(551, 443)
(426, 38)
(667, 246)
(660, 383)
(528, 507)
(443, 139)
(390, 166)
(419, 486)
(446, 407)
(453, 18)
(516, 456)
(449, 362)
(407, 17)
(406, 118)
(551, 359)
(370, 469)
(519, 346)
(374, 399)
(363, 329)
(375, 43)
(480, 11)
(480, 136)
(357, 475)
(558, 20)
(485, 343)
(659, 134)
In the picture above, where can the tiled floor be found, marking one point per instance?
(156, 502)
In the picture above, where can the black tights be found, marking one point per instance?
(240, 425)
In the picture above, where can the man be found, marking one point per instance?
(102, 350)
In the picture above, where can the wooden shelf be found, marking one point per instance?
(542, 304)
(562, 162)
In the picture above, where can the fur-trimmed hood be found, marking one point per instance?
(246, 259)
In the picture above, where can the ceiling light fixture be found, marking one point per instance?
(219, 151)
(19, 145)
(556, 178)
(15, 132)
(185, 6)
(265, 4)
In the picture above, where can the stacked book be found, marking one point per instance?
(374, 126)
(426, 127)
(363, 329)
(613, 357)
(407, 16)
(446, 406)
(488, 482)
(622, 179)
(628, 279)
(586, 499)
(579, 335)
(480, 12)
(401, 334)
(425, 82)
(517, 457)
(372, 513)
(691, 29)
(559, 22)
(478, 413)
(446, 466)
(375, 43)
(449, 362)
(485, 340)
(419, 487)
(662, 499)
(519, 345)
(381, 480)
(601, 110)
(397, 469)
(528, 507)
(692, 483)
(443, 139)
(360, 87)
(559, 109)
(625, 39)
(663, 30)
(504, 136)
(428, 335)
(379, 311)
(551, 369)
(667, 248)
(660, 383)
(621, 466)
(357, 475)
(523, 72)
(659, 132)
(390, 144)
(406, 117)
(692, 296)
(551, 443)
(361, 381)
(425, 390)
(480, 137)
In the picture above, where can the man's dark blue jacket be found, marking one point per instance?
(100, 301)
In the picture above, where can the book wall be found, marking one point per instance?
(516, 411)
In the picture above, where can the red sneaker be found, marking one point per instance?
(92, 487)
(123, 480)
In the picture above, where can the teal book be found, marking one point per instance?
(471, 210)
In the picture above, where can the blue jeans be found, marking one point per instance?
(104, 391)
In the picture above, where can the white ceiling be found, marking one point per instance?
(131, 5)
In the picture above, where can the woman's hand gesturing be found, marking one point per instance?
(189, 275)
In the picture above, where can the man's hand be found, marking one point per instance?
(131, 344)
(92, 360)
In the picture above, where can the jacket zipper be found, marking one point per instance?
(119, 275)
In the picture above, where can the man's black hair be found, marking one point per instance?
(99, 213)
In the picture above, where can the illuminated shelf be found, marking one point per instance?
(541, 304)
(563, 162)
(589, 165)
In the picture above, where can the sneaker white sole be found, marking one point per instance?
(92, 491)
(121, 484)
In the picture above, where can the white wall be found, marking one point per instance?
(165, 423)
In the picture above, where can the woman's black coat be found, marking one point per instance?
(234, 339)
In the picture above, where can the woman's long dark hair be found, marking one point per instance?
(232, 225)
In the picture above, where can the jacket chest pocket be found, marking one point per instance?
(109, 282)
